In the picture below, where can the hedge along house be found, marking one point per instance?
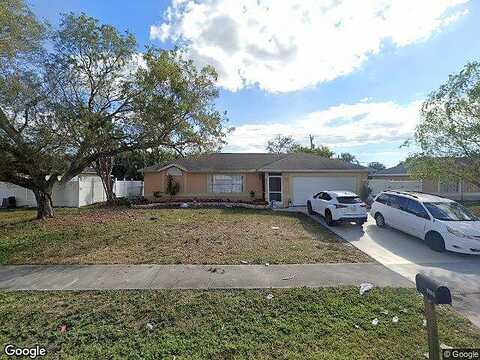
(287, 179)
(456, 190)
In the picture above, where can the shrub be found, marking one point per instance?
(172, 186)
(365, 191)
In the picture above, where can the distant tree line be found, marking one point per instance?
(286, 144)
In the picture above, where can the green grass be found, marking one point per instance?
(169, 236)
(235, 324)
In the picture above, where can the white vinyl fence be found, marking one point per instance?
(379, 185)
(80, 191)
(127, 188)
(23, 196)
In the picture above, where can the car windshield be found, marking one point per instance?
(349, 200)
(450, 211)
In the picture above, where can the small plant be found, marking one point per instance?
(252, 194)
(172, 186)
(157, 194)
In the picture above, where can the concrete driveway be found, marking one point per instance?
(407, 256)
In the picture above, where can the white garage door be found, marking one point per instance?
(305, 186)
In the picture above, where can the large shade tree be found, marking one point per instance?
(97, 97)
(448, 134)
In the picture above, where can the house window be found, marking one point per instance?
(449, 186)
(226, 184)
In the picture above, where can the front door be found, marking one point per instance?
(274, 187)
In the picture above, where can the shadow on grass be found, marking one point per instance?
(12, 217)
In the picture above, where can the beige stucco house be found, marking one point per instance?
(287, 179)
(456, 190)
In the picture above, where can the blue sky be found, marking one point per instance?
(351, 73)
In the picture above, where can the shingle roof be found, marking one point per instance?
(301, 161)
(256, 162)
(400, 169)
(89, 170)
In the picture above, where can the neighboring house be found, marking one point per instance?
(288, 179)
(398, 172)
(457, 190)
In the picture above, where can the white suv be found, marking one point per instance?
(338, 206)
(443, 223)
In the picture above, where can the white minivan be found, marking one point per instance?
(443, 223)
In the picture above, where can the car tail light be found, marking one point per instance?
(337, 206)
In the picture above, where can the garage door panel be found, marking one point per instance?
(305, 186)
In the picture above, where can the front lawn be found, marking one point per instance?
(169, 236)
(240, 324)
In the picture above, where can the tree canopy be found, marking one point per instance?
(323, 151)
(350, 158)
(377, 165)
(20, 32)
(94, 96)
(280, 144)
(448, 134)
(128, 164)
(286, 144)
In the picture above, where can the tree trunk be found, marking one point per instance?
(44, 203)
(104, 166)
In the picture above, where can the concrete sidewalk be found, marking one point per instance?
(93, 277)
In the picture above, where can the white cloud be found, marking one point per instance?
(289, 45)
(339, 126)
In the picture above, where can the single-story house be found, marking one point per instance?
(287, 179)
(456, 190)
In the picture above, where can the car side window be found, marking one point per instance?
(382, 199)
(414, 207)
(393, 201)
(403, 203)
(317, 195)
(326, 197)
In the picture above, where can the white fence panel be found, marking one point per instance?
(379, 185)
(90, 190)
(128, 188)
(66, 195)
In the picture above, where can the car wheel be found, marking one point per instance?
(309, 208)
(328, 218)
(361, 222)
(380, 220)
(435, 242)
